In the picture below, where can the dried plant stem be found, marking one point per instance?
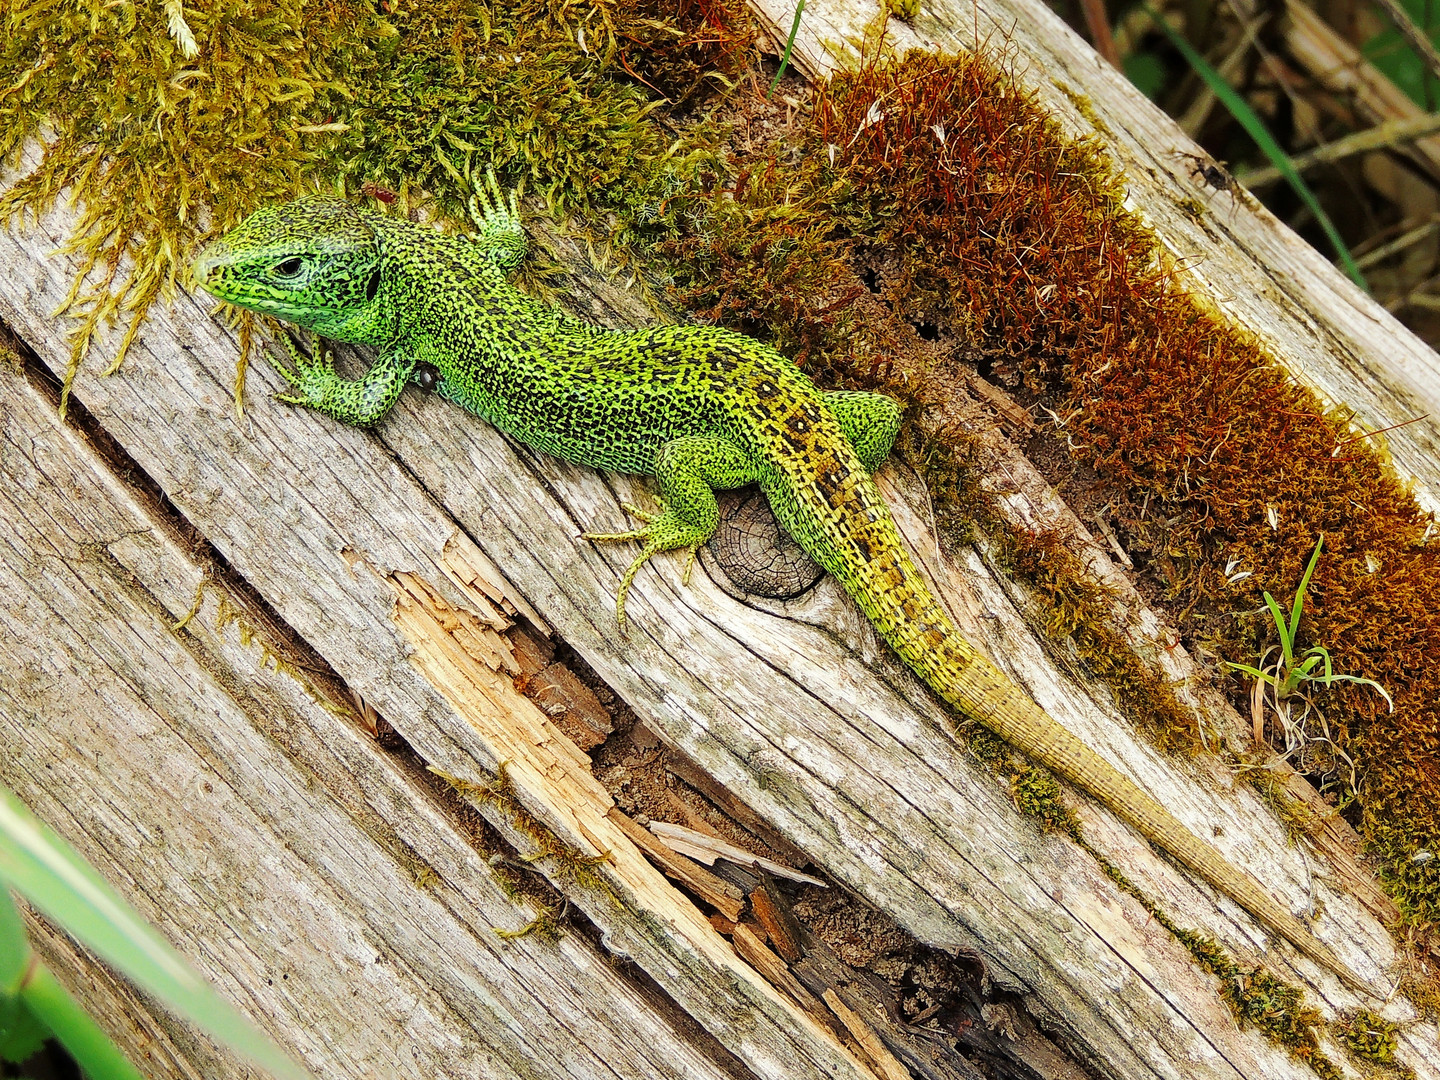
(1414, 36)
(1406, 239)
(1389, 135)
(1098, 23)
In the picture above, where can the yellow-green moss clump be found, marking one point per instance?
(1033, 788)
(1256, 997)
(1368, 1036)
(170, 131)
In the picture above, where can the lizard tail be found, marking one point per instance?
(912, 622)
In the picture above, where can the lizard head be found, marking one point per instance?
(315, 262)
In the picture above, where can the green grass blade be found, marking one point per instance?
(1286, 632)
(1316, 654)
(14, 946)
(789, 44)
(1240, 109)
(88, 1045)
(52, 877)
(1299, 604)
(1254, 673)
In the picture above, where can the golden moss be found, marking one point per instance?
(1078, 609)
(565, 859)
(162, 148)
(1368, 1035)
(156, 145)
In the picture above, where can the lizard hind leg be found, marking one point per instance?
(870, 422)
(690, 470)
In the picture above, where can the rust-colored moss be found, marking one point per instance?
(925, 213)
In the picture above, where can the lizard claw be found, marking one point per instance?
(634, 534)
(307, 374)
(656, 535)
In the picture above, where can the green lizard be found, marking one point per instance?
(699, 408)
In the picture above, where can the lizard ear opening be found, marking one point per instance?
(372, 288)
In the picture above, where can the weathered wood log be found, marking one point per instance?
(316, 879)
(794, 707)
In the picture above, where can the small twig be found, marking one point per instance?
(1415, 37)
(1416, 297)
(1381, 431)
(1393, 247)
(1389, 135)
(1098, 23)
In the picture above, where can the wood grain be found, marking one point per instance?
(794, 707)
(307, 874)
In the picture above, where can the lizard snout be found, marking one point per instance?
(212, 257)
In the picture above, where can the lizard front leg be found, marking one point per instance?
(498, 234)
(359, 401)
(689, 470)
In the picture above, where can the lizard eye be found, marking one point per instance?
(290, 267)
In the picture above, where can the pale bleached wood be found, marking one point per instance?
(1237, 256)
(304, 870)
(785, 709)
(319, 535)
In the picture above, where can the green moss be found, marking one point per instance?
(1038, 794)
(1256, 996)
(1085, 107)
(565, 860)
(1368, 1035)
(156, 146)
(1033, 788)
(1297, 816)
(282, 96)
(1079, 610)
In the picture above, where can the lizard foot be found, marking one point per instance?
(312, 376)
(498, 231)
(665, 531)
